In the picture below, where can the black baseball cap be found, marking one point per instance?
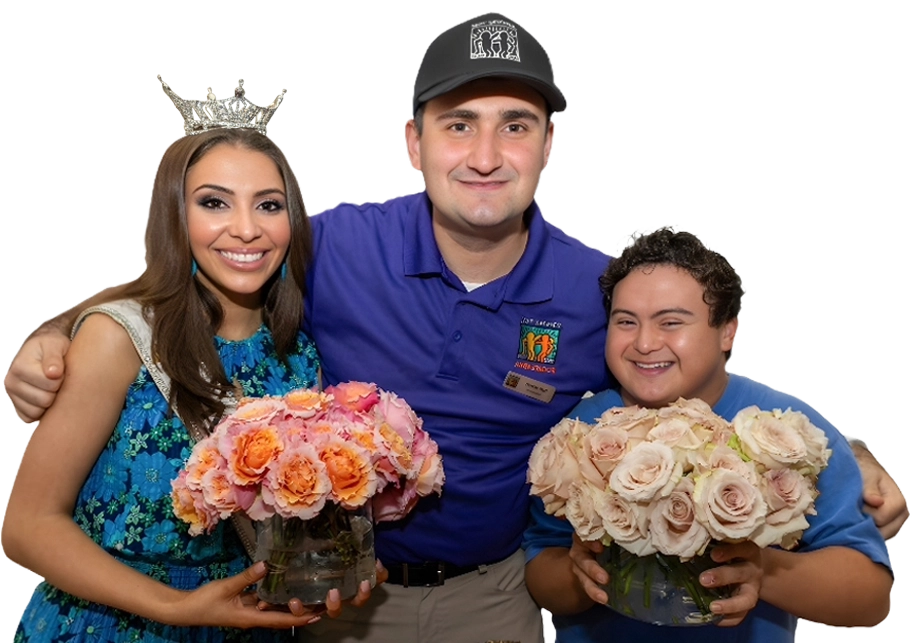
(486, 46)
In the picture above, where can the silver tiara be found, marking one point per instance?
(203, 115)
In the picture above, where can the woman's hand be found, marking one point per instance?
(228, 603)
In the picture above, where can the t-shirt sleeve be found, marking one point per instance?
(544, 531)
(840, 519)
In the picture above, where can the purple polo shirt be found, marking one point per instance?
(383, 307)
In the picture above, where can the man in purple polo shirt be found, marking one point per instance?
(463, 300)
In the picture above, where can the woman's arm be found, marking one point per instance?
(39, 532)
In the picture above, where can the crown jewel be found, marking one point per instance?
(237, 111)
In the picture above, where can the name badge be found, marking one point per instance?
(529, 387)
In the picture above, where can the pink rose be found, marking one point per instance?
(625, 523)
(429, 477)
(394, 503)
(298, 484)
(673, 524)
(648, 472)
(768, 440)
(355, 396)
(728, 505)
(580, 511)
(789, 497)
(395, 412)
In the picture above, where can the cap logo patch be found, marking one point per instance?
(494, 39)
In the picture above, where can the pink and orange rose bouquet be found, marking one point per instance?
(666, 483)
(314, 458)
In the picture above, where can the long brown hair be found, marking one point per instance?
(184, 315)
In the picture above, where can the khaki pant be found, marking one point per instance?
(472, 608)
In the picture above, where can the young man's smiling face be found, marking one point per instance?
(482, 148)
(660, 344)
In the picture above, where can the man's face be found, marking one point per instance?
(481, 150)
(660, 345)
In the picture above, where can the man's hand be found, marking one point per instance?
(36, 374)
(588, 572)
(744, 570)
(883, 499)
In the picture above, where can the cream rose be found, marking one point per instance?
(553, 466)
(790, 498)
(636, 422)
(768, 440)
(603, 447)
(648, 472)
(815, 439)
(724, 457)
(625, 523)
(673, 524)
(728, 505)
(580, 511)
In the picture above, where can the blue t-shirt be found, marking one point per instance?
(840, 521)
(383, 307)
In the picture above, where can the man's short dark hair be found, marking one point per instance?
(721, 284)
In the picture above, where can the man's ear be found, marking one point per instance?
(729, 329)
(549, 137)
(413, 142)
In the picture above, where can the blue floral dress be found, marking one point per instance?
(125, 507)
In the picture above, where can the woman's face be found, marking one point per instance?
(237, 221)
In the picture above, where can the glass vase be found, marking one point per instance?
(660, 589)
(307, 558)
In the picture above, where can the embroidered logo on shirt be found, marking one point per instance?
(538, 341)
(494, 39)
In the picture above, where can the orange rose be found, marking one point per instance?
(306, 403)
(259, 411)
(350, 472)
(189, 506)
(249, 451)
(298, 485)
(205, 456)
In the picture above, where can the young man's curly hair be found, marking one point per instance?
(721, 284)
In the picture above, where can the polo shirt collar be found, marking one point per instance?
(530, 281)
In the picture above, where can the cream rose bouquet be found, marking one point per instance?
(313, 458)
(670, 481)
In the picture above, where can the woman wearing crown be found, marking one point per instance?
(216, 314)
